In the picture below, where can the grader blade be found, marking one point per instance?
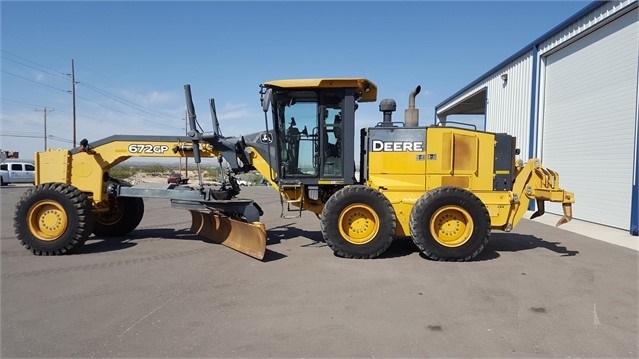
(247, 238)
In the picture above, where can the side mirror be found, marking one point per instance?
(265, 99)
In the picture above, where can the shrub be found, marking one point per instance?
(122, 172)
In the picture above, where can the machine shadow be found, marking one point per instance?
(515, 242)
(100, 244)
(404, 246)
(281, 233)
(399, 248)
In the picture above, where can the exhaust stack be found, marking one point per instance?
(411, 115)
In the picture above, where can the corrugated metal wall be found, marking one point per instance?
(520, 103)
(508, 108)
(579, 27)
(588, 120)
(508, 103)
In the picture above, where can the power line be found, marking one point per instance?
(60, 139)
(35, 68)
(26, 40)
(39, 83)
(20, 133)
(20, 102)
(118, 99)
(84, 98)
(125, 101)
(31, 105)
(14, 135)
(33, 62)
(51, 137)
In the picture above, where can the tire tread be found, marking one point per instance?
(421, 235)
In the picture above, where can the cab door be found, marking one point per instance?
(16, 173)
(29, 173)
(315, 135)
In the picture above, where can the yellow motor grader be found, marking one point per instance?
(445, 187)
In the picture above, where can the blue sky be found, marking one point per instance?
(132, 59)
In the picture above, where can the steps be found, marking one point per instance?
(297, 201)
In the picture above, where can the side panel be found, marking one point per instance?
(396, 158)
(504, 162)
(57, 164)
(460, 158)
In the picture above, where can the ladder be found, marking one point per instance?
(297, 200)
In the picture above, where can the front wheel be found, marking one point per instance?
(358, 222)
(450, 224)
(123, 216)
(53, 219)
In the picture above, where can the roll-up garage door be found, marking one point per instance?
(589, 120)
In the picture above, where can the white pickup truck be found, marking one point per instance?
(16, 172)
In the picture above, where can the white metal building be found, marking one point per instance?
(571, 98)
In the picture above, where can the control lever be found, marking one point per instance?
(216, 123)
(193, 132)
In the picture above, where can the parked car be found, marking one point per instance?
(174, 178)
(16, 172)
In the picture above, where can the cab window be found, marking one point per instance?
(297, 126)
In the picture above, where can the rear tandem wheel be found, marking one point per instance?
(53, 219)
(450, 224)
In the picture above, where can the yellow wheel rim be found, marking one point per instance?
(47, 220)
(358, 223)
(451, 226)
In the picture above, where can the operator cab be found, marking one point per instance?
(314, 122)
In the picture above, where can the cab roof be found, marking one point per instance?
(366, 88)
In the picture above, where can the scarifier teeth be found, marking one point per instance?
(541, 209)
(567, 217)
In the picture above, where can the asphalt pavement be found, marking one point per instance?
(538, 291)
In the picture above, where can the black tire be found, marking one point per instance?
(450, 224)
(358, 222)
(123, 216)
(2, 182)
(53, 219)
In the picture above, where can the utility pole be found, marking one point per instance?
(73, 95)
(45, 110)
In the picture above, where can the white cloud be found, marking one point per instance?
(232, 111)
(152, 98)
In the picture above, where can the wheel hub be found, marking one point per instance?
(47, 220)
(112, 216)
(451, 226)
(359, 224)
